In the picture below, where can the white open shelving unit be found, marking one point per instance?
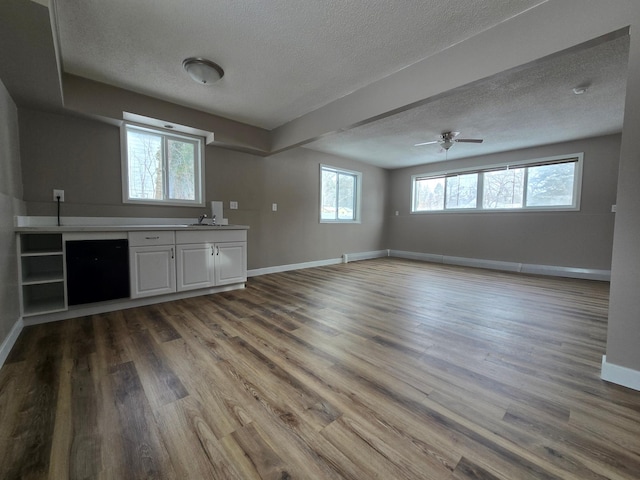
(42, 273)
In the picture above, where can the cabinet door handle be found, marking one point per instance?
(151, 238)
(211, 249)
(171, 252)
(217, 250)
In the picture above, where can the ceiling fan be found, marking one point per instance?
(447, 139)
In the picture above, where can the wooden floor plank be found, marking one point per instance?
(386, 368)
(29, 435)
(145, 455)
(161, 384)
(191, 443)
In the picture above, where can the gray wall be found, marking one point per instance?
(10, 204)
(572, 239)
(82, 157)
(623, 339)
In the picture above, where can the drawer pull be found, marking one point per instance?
(151, 238)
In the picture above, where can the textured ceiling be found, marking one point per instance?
(282, 58)
(285, 59)
(529, 106)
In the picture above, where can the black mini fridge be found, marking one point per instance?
(97, 270)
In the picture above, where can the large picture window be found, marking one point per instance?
(339, 195)
(541, 184)
(162, 167)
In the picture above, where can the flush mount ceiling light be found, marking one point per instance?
(203, 71)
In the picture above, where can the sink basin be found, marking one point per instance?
(199, 225)
(204, 225)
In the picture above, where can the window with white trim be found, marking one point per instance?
(552, 183)
(160, 167)
(339, 195)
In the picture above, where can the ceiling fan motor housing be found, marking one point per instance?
(446, 139)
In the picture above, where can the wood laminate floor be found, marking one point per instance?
(383, 369)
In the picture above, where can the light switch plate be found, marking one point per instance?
(274, 207)
(233, 205)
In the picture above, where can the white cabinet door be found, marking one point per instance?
(195, 264)
(230, 263)
(153, 270)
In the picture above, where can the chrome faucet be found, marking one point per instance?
(213, 220)
(202, 217)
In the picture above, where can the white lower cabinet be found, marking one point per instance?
(230, 263)
(195, 266)
(191, 260)
(152, 270)
(160, 262)
(152, 263)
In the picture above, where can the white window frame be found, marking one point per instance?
(577, 185)
(356, 197)
(166, 135)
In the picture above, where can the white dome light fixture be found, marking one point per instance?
(202, 70)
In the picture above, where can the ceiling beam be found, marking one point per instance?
(551, 27)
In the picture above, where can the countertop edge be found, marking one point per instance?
(126, 228)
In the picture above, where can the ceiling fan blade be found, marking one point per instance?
(426, 143)
(468, 140)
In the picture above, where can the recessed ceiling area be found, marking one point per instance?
(528, 106)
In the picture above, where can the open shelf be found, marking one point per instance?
(40, 243)
(43, 298)
(42, 273)
(42, 269)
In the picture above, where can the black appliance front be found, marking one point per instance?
(97, 270)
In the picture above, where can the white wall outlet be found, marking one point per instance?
(614, 208)
(233, 205)
(274, 207)
(397, 213)
(58, 193)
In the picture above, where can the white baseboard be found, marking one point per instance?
(627, 377)
(10, 341)
(292, 266)
(551, 270)
(354, 257)
(346, 258)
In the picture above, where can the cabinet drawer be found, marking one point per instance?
(210, 236)
(151, 237)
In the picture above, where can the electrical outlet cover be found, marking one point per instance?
(58, 193)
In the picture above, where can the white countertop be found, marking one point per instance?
(123, 228)
(30, 224)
